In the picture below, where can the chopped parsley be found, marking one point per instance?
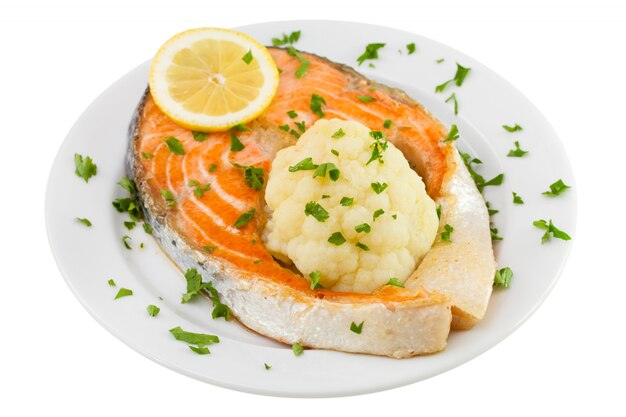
(378, 147)
(199, 136)
(295, 133)
(315, 280)
(446, 234)
(410, 48)
(439, 211)
(292, 38)
(199, 189)
(209, 249)
(152, 310)
(194, 338)
(363, 227)
(490, 210)
(241, 128)
(128, 205)
(327, 167)
(111, 282)
(346, 201)
(284, 127)
(556, 188)
(366, 99)
(167, 195)
(235, 143)
(378, 187)
(316, 104)
(502, 277)
(244, 219)
(175, 146)
(85, 168)
(494, 232)
(334, 152)
(459, 77)
(517, 199)
(254, 176)
(213, 167)
(479, 180)
(325, 196)
(387, 123)
(123, 292)
(371, 52)
(376, 134)
(338, 134)
(453, 134)
(456, 103)
(125, 240)
(394, 216)
(130, 225)
(297, 349)
(551, 231)
(305, 165)
(304, 63)
(128, 185)
(200, 349)
(513, 128)
(84, 221)
(362, 246)
(317, 211)
(195, 285)
(517, 152)
(267, 367)
(377, 214)
(147, 228)
(395, 282)
(439, 61)
(247, 58)
(356, 329)
(301, 126)
(337, 239)
(147, 155)
(292, 114)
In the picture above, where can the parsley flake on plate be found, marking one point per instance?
(123, 292)
(111, 283)
(371, 52)
(556, 188)
(551, 231)
(297, 349)
(410, 48)
(83, 220)
(514, 128)
(502, 277)
(315, 280)
(152, 310)
(293, 37)
(517, 199)
(517, 152)
(125, 240)
(85, 168)
(459, 77)
(454, 100)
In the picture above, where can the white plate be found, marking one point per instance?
(88, 257)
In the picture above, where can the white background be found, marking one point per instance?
(568, 57)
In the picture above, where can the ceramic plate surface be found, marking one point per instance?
(88, 257)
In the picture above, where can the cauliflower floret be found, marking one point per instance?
(383, 234)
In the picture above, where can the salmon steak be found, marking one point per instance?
(196, 194)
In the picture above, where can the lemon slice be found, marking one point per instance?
(212, 79)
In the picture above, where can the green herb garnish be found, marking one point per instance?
(199, 136)
(338, 134)
(479, 180)
(254, 176)
(517, 152)
(267, 367)
(514, 128)
(130, 225)
(241, 128)
(366, 99)
(200, 349)
(494, 232)
(147, 228)
(295, 133)
(456, 103)
(297, 349)
(125, 240)
(453, 134)
(153, 310)
(199, 189)
(284, 127)
(459, 77)
(305, 165)
(213, 167)
(168, 197)
(292, 114)
(327, 167)
(111, 282)
(378, 187)
(334, 152)
(316, 104)
(317, 211)
(292, 38)
(362, 246)
(502, 277)
(363, 227)
(551, 231)
(209, 249)
(346, 201)
(85, 168)
(301, 126)
(123, 292)
(410, 48)
(175, 146)
(395, 282)
(194, 338)
(84, 221)
(446, 234)
(304, 63)
(439, 211)
(378, 148)
(235, 143)
(247, 58)
(315, 280)
(377, 214)
(356, 329)
(556, 188)
(244, 219)
(387, 123)
(337, 239)
(439, 61)
(371, 52)
(128, 185)
(147, 155)
(517, 199)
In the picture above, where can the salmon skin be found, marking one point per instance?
(201, 229)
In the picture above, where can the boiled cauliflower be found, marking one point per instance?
(357, 223)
